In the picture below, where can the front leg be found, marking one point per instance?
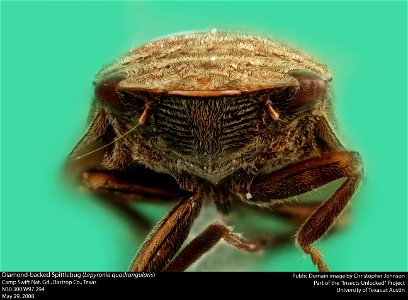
(208, 239)
(120, 188)
(305, 176)
(168, 236)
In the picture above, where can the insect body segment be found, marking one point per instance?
(219, 117)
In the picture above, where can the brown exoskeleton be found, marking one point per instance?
(219, 117)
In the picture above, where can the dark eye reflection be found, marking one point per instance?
(133, 103)
(119, 102)
(311, 91)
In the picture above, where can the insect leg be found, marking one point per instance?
(168, 236)
(308, 175)
(100, 181)
(121, 189)
(205, 241)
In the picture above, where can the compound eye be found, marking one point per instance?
(311, 90)
(108, 96)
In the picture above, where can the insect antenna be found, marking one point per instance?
(112, 142)
(146, 113)
(270, 110)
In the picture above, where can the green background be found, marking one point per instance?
(50, 52)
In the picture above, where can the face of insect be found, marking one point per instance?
(209, 137)
(219, 115)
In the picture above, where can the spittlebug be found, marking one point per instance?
(215, 116)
